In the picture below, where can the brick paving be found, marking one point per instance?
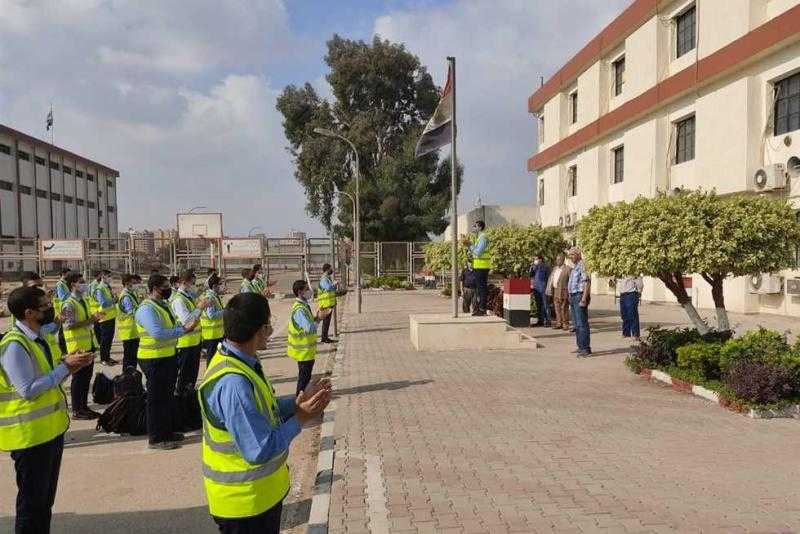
(543, 442)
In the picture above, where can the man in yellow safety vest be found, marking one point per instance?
(301, 344)
(247, 430)
(326, 299)
(481, 264)
(126, 321)
(211, 320)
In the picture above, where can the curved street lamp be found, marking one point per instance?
(250, 232)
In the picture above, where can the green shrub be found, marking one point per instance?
(662, 344)
(701, 359)
(388, 282)
(765, 346)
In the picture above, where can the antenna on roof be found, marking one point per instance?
(541, 81)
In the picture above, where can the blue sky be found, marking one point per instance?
(180, 95)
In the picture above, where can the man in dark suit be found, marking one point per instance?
(540, 273)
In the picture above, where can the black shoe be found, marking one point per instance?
(479, 314)
(176, 436)
(85, 414)
(584, 354)
(110, 362)
(164, 445)
(328, 340)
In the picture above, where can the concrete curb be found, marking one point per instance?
(790, 411)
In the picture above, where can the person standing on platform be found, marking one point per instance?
(126, 320)
(482, 264)
(211, 321)
(630, 291)
(77, 323)
(557, 291)
(106, 304)
(579, 288)
(188, 349)
(301, 345)
(540, 274)
(247, 430)
(158, 339)
(326, 299)
(33, 407)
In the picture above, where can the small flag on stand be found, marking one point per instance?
(438, 131)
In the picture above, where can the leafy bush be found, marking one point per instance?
(759, 345)
(662, 344)
(701, 359)
(389, 282)
(760, 382)
(494, 300)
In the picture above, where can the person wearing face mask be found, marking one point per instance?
(159, 332)
(33, 407)
(77, 323)
(126, 322)
(301, 345)
(247, 282)
(106, 303)
(188, 350)
(211, 320)
(247, 430)
(481, 264)
(326, 299)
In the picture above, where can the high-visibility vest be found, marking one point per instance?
(111, 311)
(301, 346)
(235, 488)
(81, 338)
(27, 423)
(193, 338)
(484, 261)
(325, 298)
(258, 285)
(93, 305)
(149, 347)
(57, 302)
(212, 328)
(126, 322)
(248, 286)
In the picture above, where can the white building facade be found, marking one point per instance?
(677, 94)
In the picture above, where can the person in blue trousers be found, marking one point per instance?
(630, 291)
(579, 288)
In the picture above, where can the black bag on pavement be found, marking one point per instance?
(129, 382)
(125, 415)
(102, 389)
(187, 408)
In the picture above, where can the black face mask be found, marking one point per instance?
(49, 316)
(165, 293)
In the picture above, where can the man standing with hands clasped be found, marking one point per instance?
(301, 345)
(579, 288)
(246, 429)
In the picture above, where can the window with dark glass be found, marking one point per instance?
(41, 193)
(24, 156)
(573, 106)
(5, 149)
(67, 170)
(68, 199)
(55, 196)
(109, 183)
(90, 177)
(787, 105)
(572, 181)
(79, 201)
(24, 189)
(78, 173)
(91, 204)
(6, 186)
(685, 32)
(99, 194)
(110, 209)
(684, 140)
(40, 161)
(619, 76)
(54, 165)
(99, 213)
(619, 164)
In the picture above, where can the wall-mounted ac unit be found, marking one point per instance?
(765, 284)
(768, 178)
(570, 220)
(793, 286)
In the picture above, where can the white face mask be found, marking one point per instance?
(536, 262)
(83, 288)
(308, 294)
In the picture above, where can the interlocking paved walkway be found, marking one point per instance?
(542, 442)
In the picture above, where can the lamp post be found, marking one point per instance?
(197, 208)
(251, 230)
(357, 220)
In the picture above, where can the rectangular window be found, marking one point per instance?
(99, 194)
(55, 196)
(685, 32)
(54, 165)
(541, 192)
(79, 201)
(99, 213)
(684, 140)
(24, 189)
(787, 105)
(40, 161)
(24, 156)
(573, 106)
(91, 204)
(619, 76)
(90, 177)
(41, 193)
(78, 173)
(67, 199)
(619, 164)
(110, 209)
(6, 186)
(5, 149)
(67, 170)
(109, 183)
(100, 231)
(572, 181)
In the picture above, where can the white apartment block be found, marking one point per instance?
(672, 94)
(50, 193)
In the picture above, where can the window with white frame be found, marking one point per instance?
(787, 105)
(572, 181)
(618, 167)
(684, 140)
(619, 75)
(686, 31)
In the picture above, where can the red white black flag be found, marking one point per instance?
(439, 129)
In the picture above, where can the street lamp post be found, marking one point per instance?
(251, 230)
(357, 222)
(197, 208)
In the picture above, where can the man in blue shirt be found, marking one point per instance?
(482, 264)
(540, 273)
(229, 404)
(579, 289)
(104, 329)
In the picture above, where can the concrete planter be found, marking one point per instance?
(517, 301)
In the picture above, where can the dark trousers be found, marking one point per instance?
(79, 387)
(482, 287)
(210, 346)
(188, 366)
(161, 373)
(37, 480)
(130, 347)
(468, 301)
(267, 523)
(580, 320)
(542, 307)
(105, 337)
(304, 370)
(326, 325)
(62, 343)
(629, 309)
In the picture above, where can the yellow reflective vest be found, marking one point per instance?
(325, 298)
(300, 345)
(193, 338)
(126, 322)
(149, 347)
(57, 302)
(212, 329)
(484, 260)
(81, 338)
(235, 488)
(26, 423)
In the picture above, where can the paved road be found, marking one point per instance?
(543, 442)
(112, 484)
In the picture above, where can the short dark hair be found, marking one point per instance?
(246, 273)
(480, 224)
(128, 278)
(174, 279)
(155, 280)
(64, 271)
(96, 273)
(538, 257)
(326, 266)
(211, 270)
(137, 277)
(72, 278)
(298, 287)
(213, 280)
(187, 275)
(30, 276)
(256, 267)
(24, 298)
(244, 315)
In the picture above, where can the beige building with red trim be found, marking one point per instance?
(671, 94)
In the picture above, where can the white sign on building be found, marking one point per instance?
(60, 249)
(241, 248)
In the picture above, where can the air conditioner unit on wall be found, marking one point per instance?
(570, 220)
(768, 178)
(793, 286)
(765, 284)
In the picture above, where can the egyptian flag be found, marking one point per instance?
(438, 131)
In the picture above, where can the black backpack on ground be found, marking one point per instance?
(102, 389)
(125, 415)
(129, 382)
(187, 411)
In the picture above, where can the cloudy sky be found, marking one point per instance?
(179, 95)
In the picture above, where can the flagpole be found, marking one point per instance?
(454, 195)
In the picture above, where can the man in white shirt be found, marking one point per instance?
(630, 290)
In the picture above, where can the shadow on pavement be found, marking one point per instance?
(89, 437)
(370, 330)
(383, 386)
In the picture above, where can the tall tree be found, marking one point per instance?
(382, 97)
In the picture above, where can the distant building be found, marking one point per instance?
(495, 215)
